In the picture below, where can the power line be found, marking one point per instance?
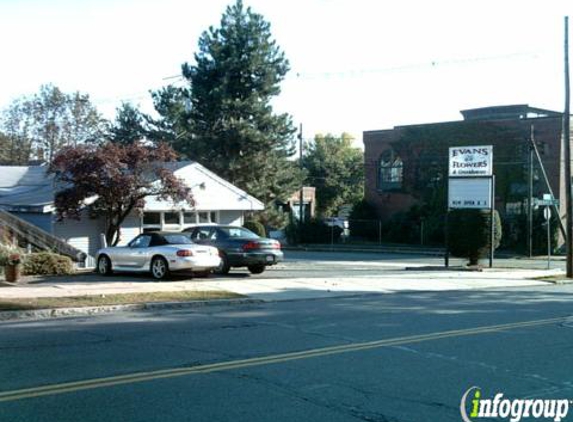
(414, 66)
(401, 67)
(354, 73)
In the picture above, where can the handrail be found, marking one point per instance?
(40, 238)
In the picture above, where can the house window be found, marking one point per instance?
(390, 171)
(151, 218)
(189, 218)
(204, 217)
(171, 218)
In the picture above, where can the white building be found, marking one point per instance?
(28, 193)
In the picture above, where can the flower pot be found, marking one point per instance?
(12, 273)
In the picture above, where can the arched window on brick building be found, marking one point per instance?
(390, 171)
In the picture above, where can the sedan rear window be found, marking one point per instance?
(238, 232)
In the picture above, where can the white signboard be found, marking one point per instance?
(471, 161)
(469, 193)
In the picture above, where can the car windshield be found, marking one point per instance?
(238, 232)
(177, 239)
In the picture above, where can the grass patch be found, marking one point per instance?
(555, 279)
(113, 299)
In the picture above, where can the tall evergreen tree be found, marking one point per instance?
(174, 125)
(129, 125)
(226, 121)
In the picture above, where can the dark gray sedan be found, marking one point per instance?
(238, 247)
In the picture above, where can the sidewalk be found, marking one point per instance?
(413, 280)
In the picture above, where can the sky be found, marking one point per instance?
(356, 65)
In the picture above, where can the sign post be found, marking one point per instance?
(547, 215)
(492, 222)
(547, 203)
(471, 184)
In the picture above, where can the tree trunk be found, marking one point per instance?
(112, 235)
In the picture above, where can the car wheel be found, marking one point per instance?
(256, 269)
(104, 265)
(224, 266)
(159, 268)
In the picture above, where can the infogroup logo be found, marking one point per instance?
(512, 409)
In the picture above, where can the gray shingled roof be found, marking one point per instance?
(22, 186)
(31, 189)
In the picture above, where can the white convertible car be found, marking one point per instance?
(159, 253)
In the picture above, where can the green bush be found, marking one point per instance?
(47, 263)
(255, 227)
(469, 233)
(271, 218)
(364, 221)
(515, 233)
(313, 231)
(292, 231)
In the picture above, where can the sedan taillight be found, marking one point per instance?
(184, 252)
(249, 246)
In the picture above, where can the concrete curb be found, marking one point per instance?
(39, 314)
(559, 282)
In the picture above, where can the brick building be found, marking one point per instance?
(407, 165)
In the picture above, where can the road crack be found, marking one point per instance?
(347, 410)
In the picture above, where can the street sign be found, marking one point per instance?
(545, 202)
(547, 213)
(471, 161)
(469, 193)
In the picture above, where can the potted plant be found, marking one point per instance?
(12, 268)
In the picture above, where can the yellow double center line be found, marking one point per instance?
(69, 387)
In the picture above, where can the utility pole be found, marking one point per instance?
(562, 227)
(530, 201)
(567, 140)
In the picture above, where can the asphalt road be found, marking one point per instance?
(405, 357)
